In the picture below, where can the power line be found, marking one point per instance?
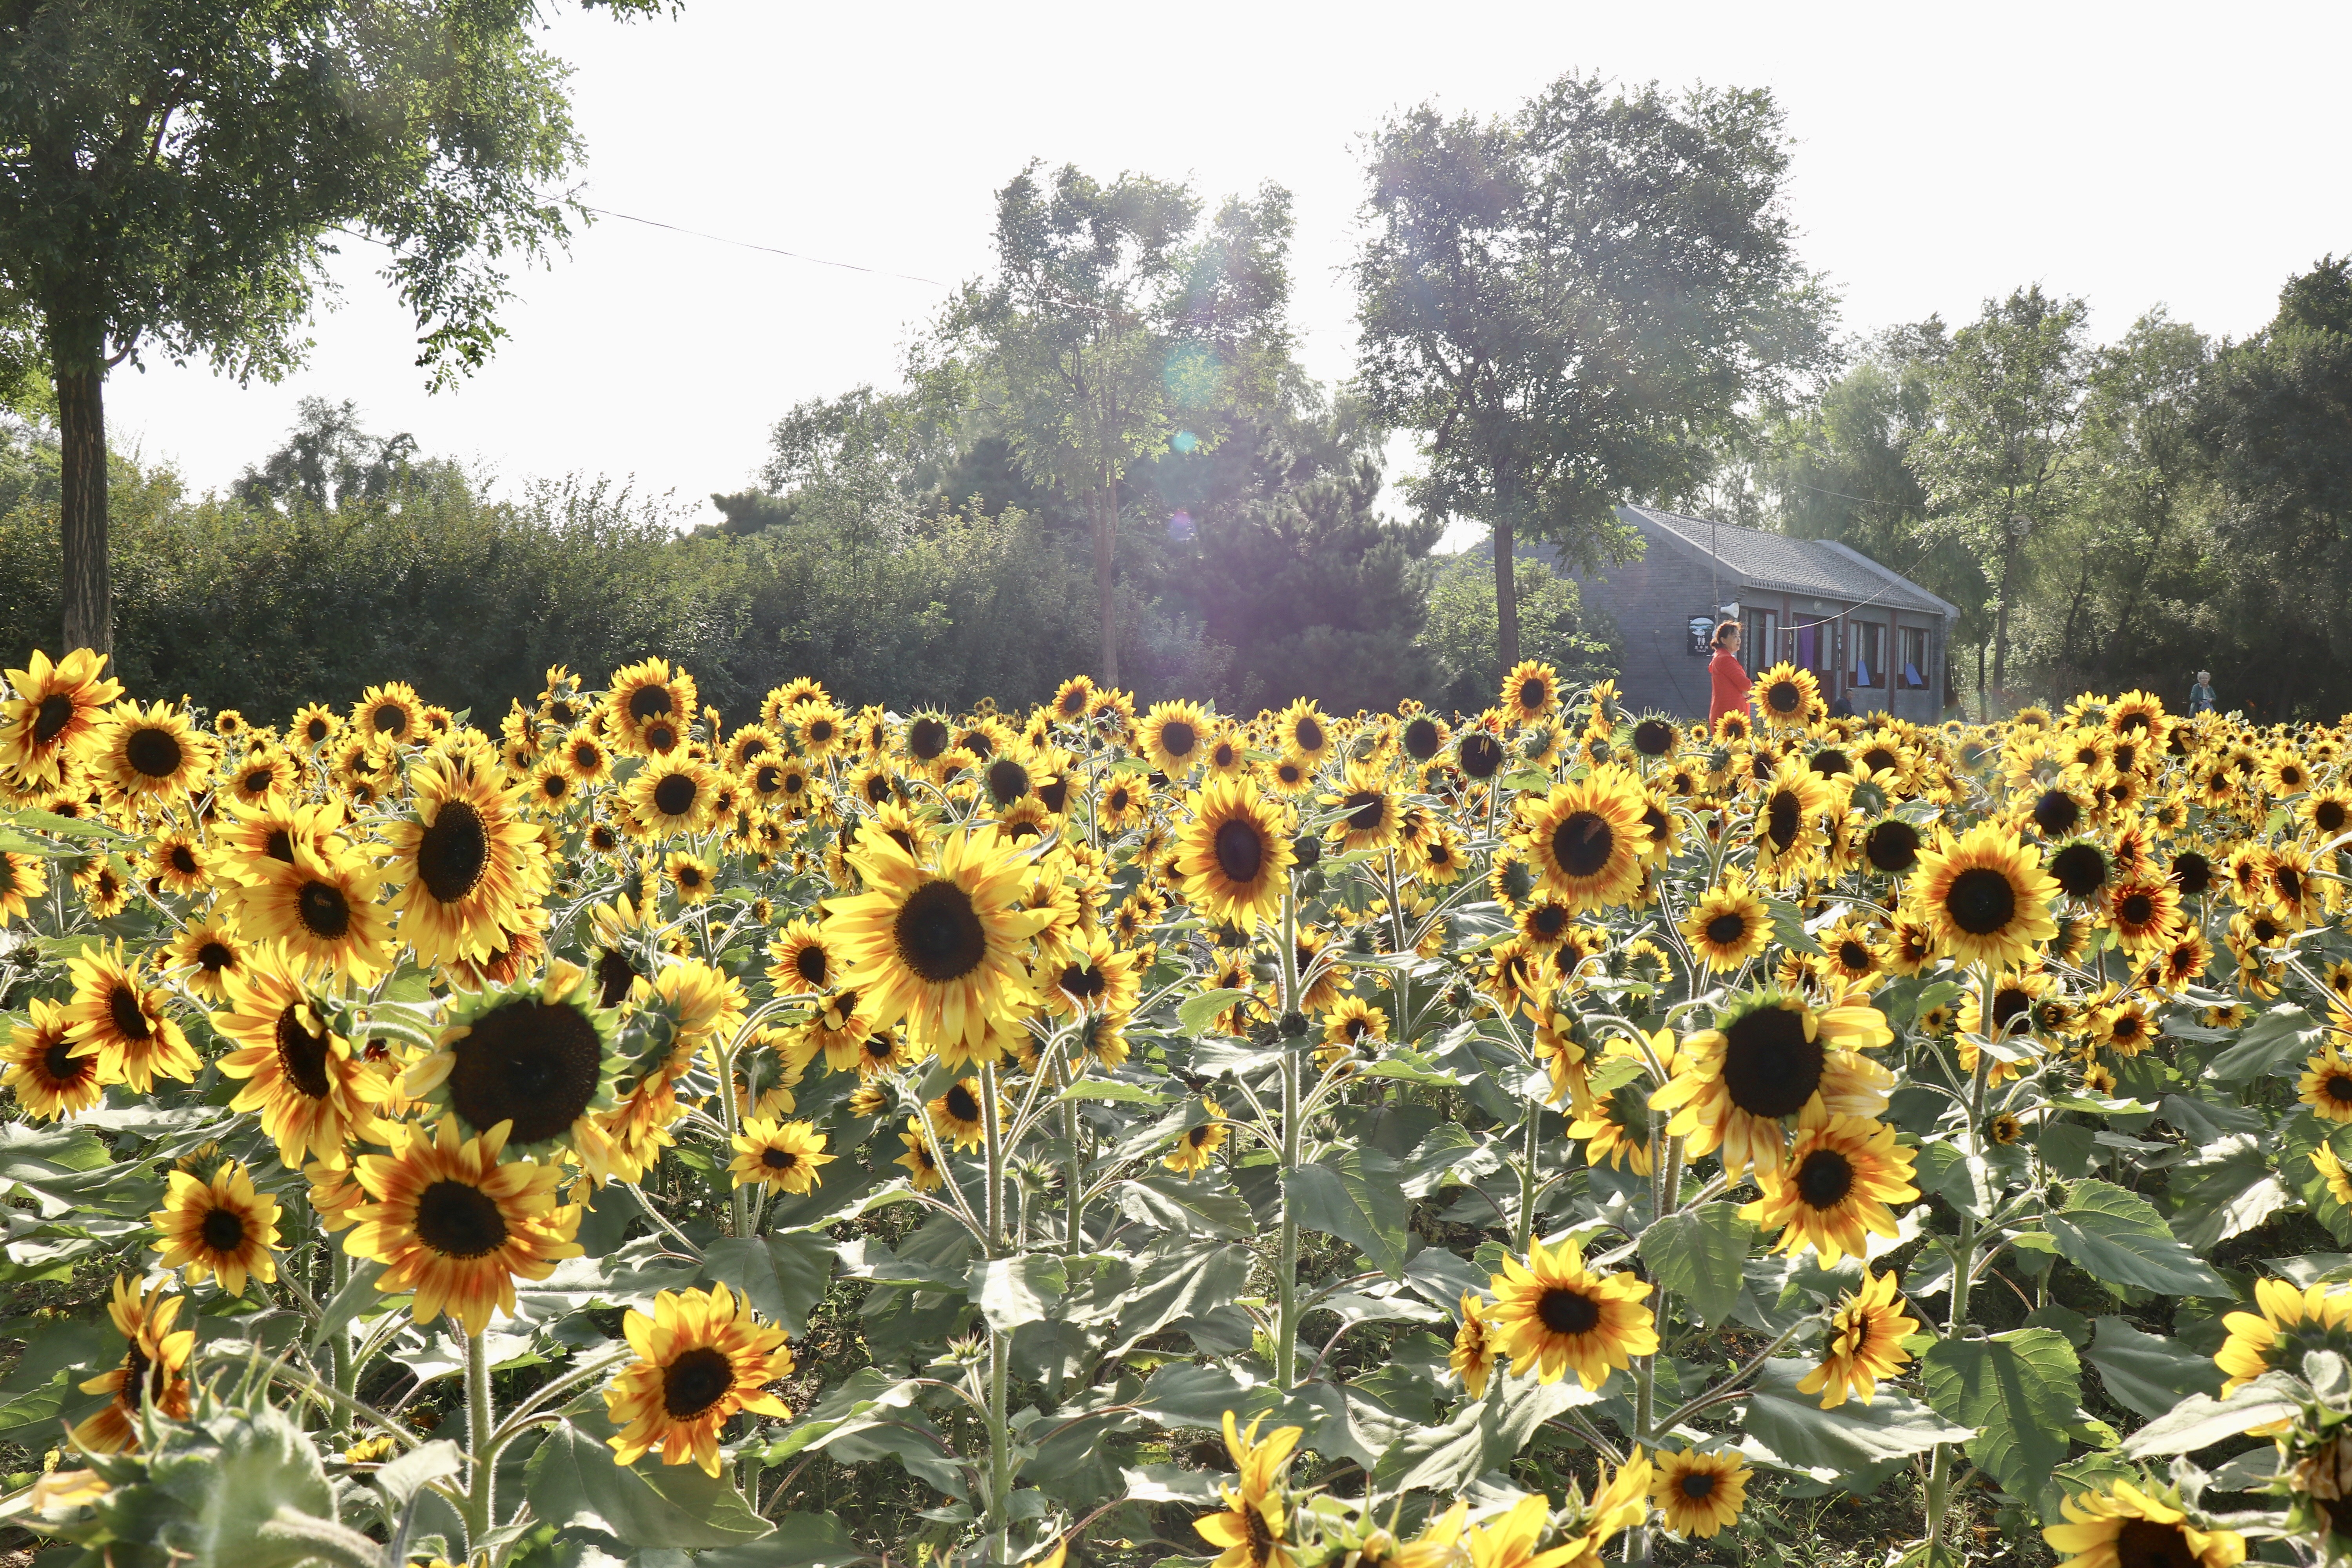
(770, 249)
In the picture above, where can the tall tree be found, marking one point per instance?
(1574, 304)
(2275, 422)
(1115, 326)
(1838, 467)
(173, 175)
(2005, 406)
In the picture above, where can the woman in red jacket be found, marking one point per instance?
(1725, 676)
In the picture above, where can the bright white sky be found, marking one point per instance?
(2134, 155)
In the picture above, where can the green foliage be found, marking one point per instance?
(1571, 303)
(1462, 641)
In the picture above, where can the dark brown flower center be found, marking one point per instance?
(1565, 1311)
(222, 1230)
(1366, 810)
(63, 1068)
(1481, 754)
(1177, 738)
(1825, 1178)
(301, 1055)
(1770, 1068)
(649, 702)
(55, 712)
(452, 854)
(157, 753)
(776, 1158)
(2081, 869)
(458, 1219)
(1421, 738)
(963, 1105)
(937, 933)
(926, 739)
(1697, 1484)
(1726, 929)
(389, 719)
(1240, 850)
(674, 795)
(1582, 843)
(1982, 900)
(2145, 1544)
(123, 1006)
(323, 911)
(534, 1063)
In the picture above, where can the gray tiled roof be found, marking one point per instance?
(1816, 567)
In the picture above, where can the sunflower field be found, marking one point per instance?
(1546, 1137)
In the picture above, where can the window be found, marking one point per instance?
(1756, 632)
(1915, 658)
(1868, 641)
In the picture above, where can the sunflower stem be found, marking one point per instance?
(479, 1419)
(1529, 1155)
(1286, 1329)
(1964, 1256)
(1075, 1182)
(338, 1344)
(999, 1445)
(992, 1142)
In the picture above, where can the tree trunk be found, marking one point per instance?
(2001, 616)
(81, 511)
(1506, 604)
(1980, 686)
(1105, 510)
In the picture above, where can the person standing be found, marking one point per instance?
(2200, 695)
(1726, 676)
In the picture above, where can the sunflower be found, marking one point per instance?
(1788, 819)
(1769, 1054)
(2126, 1527)
(1552, 1314)
(1474, 1353)
(1784, 696)
(53, 715)
(22, 880)
(2292, 1322)
(800, 959)
(2333, 1172)
(1091, 975)
(1196, 1147)
(1530, 692)
(1233, 853)
(1175, 735)
(455, 1225)
(1835, 1186)
(2144, 915)
(1729, 924)
(1984, 895)
(313, 1093)
(149, 753)
(1616, 1128)
(223, 1226)
(647, 708)
(467, 860)
(103, 892)
(322, 906)
(117, 1016)
(153, 1370)
(1700, 1493)
(957, 1115)
(1367, 810)
(1863, 1345)
(1585, 840)
(391, 712)
(939, 946)
(781, 1155)
(1253, 1530)
(536, 1059)
(701, 1358)
(2327, 1082)
(51, 1075)
(176, 863)
(922, 1165)
(1304, 734)
(672, 795)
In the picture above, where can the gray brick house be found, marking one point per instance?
(1873, 637)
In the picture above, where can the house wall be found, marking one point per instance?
(1653, 599)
